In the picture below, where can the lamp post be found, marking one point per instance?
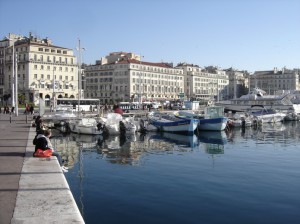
(14, 79)
(16, 87)
(13, 76)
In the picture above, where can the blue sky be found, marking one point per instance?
(248, 35)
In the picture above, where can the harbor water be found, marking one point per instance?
(247, 175)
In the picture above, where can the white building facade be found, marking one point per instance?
(210, 83)
(122, 76)
(38, 65)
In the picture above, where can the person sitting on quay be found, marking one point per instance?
(42, 141)
(38, 123)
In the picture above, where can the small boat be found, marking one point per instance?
(87, 126)
(173, 124)
(212, 120)
(266, 115)
(240, 120)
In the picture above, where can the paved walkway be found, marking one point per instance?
(32, 190)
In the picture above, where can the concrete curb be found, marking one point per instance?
(44, 195)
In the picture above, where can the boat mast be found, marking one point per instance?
(79, 74)
(54, 97)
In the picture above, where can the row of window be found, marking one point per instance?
(54, 59)
(42, 76)
(52, 50)
(42, 67)
(135, 88)
(137, 66)
(50, 86)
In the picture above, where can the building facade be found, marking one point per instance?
(210, 83)
(42, 69)
(273, 80)
(238, 83)
(122, 76)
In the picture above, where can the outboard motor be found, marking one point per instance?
(99, 126)
(105, 132)
(143, 129)
(122, 128)
(67, 127)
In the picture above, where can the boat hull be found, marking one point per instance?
(213, 124)
(180, 126)
(85, 126)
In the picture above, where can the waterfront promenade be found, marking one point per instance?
(32, 190)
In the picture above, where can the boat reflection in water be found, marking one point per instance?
(213, 141)
(123, 150)
(186, 140)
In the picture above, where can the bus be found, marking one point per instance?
(85, 104)
(128, 106)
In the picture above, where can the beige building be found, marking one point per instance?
(38, 65)
(122, 76)
(204, 83)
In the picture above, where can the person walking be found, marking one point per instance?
(31, 110)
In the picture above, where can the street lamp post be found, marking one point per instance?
(14, 79)
(13, 76)
(16, 87)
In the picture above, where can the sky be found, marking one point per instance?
(252, 35)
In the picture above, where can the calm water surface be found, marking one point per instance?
(239, 176)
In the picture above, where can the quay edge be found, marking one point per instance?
(44, 195)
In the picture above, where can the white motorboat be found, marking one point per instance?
(257, 96)
(87, 126)
(116, 125)
(240, 120)
(266, 115)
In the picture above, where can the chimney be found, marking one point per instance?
(275, 70)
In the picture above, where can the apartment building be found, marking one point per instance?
(273, 80)
(209, 83)
(122, 76)
(43, 70)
